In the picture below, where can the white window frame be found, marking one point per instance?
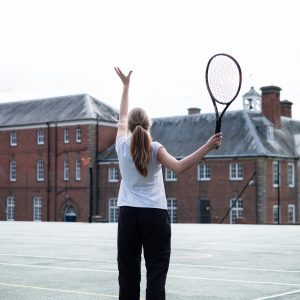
(275, 173)
(236, 171)
(291, 213)
(40, 170)
(37, 209)
(78, 135)
(170, 175)
(66, 170)
(113, 174)
(204, 173)
(13, 138)
(172, 209)
(237, 210)
(275, 214)
(291, 175)
(113, 210)
(40, 137)
(66, 136)
(10, 208)
(78, 169)
(13, 170)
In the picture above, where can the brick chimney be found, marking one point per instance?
(270, 104)
(194, 111)
(286, 108)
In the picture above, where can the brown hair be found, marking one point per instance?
(140, 146)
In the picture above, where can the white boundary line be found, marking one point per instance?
(57, 268)
(56, 290)
(170, 275)
(278, 295)
(171, 264)
(58, 257)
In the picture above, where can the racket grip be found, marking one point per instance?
(218, 126)
(218, 129)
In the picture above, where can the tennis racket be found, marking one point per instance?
(223, 81)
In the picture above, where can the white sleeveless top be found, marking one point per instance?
(135, 189)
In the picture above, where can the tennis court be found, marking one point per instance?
(209, 261)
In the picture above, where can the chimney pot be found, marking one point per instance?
(194, 111)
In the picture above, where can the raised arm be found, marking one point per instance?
(122, 128)
(179, 166)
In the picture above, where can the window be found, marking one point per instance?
(170, 175)
(10, 209)
(291, 175)
(40, 137)
(13, 138)
(275, 214)
(236, 171)
(113, 210)
(13, 171)
(237, 210)
(78, 169)
(291, 214)
(66, 170)
(172, 209)
(66, 136)
(40, 170)
(113, 174)
(37, 208)
(78, 135)
(203, 172)
(270, 133)
(276, 173)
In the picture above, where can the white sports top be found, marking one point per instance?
(136, 190)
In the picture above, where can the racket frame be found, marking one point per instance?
(214, 100)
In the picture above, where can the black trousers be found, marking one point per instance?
(147, 228)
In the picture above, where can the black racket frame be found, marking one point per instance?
(214, 100)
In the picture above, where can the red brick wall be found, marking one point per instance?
(55, 192)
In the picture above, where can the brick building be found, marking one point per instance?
(255, 171)
(47, 148)
(58, 162)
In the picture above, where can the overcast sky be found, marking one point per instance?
(60, 47)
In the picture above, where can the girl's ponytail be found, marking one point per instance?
(140, 146)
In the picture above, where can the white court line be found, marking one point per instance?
(58, 257)
(56, 290)
(238, 250)
(279, 295)
(235, 268)
(171, 264)
(170, 275)
(236, 281)
(57, 268)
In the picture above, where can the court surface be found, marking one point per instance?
(40, 260)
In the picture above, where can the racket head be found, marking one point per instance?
(223, 78)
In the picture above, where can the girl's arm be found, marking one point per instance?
(122, 127)
(179, 166)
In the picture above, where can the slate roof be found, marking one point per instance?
(55, 109)
(244, 135)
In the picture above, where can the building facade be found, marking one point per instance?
(252, 177)
(58, 162)
(48, 155)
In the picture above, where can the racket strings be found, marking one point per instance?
(223, 79)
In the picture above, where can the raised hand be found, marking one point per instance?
(125, 79)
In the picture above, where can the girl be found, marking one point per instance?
(143, 217)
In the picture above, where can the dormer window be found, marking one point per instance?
(270, 132)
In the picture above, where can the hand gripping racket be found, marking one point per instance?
(223, 81)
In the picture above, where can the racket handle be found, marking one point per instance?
(218, 128)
